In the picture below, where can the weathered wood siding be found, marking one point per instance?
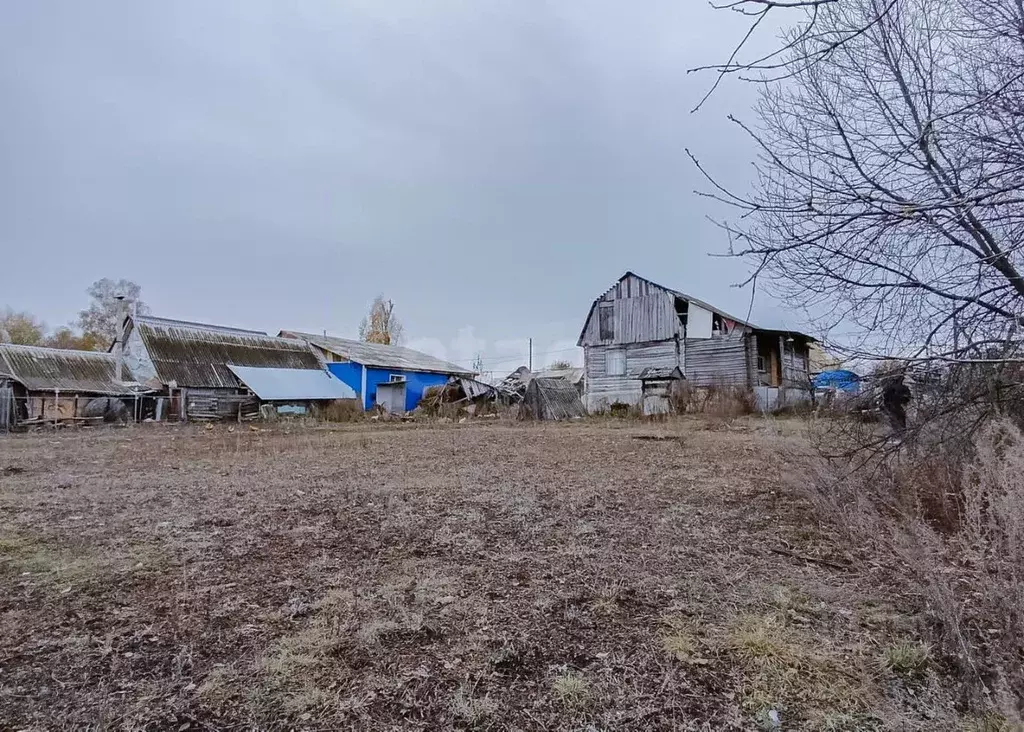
(637, 318)
(795, 370)
(718, 361)
(603, 390)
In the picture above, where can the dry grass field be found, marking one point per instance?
(478, 576)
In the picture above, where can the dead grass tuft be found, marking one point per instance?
(571, 689)
(909, 659)
(471, 708)
(677, 639)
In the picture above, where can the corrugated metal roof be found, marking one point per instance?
(196, 355)
(661, 372)
(381, 356)
(472, 388)
(572, 375)
(49, 369)
(286, 385)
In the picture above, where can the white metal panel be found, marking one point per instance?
(698, 322)
(279, 385)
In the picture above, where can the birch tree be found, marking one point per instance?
(381, 325)
(101, 321)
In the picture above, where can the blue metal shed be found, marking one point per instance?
(365, 366)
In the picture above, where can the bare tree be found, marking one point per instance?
(889, 199)
(101, 321)
(381, 325)
(890, 180)
(806, 44)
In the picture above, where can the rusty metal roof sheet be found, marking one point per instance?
(653, 373)
(196, 355)
(287, 385)
(381, 356)
(57, 369)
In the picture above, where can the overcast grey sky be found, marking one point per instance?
(491, 166)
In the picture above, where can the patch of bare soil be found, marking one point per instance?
(462, 576)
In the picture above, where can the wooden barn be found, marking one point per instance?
(39, 385)
(637, 325)
(211, 372)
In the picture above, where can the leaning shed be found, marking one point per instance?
(192, 364)
(53, 384)
(548, 398)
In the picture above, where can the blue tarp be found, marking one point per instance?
(839, 379)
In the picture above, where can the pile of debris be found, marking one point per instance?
(460, 394)
(512, 389)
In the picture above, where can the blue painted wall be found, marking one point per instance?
(415, 382)
(349, 373)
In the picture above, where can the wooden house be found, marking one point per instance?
(637, 325)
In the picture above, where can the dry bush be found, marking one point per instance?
(716, 400)
(951, 512)
(342, 410)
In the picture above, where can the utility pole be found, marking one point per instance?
(119, 343)
(531, 355)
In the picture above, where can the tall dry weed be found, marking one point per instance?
(952, 515)
(715, 400)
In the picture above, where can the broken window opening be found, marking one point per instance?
(607, 321)
(682, 311)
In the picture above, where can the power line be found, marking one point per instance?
(522, 361)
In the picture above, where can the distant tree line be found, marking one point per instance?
(94, 329)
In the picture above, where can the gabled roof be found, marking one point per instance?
(688, 298)
(57, 369)
(197, 355)
(379, 355)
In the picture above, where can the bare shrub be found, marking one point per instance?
(716, 400)
(342, 410)
(951, 512)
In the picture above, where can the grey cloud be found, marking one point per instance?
(492, 167)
